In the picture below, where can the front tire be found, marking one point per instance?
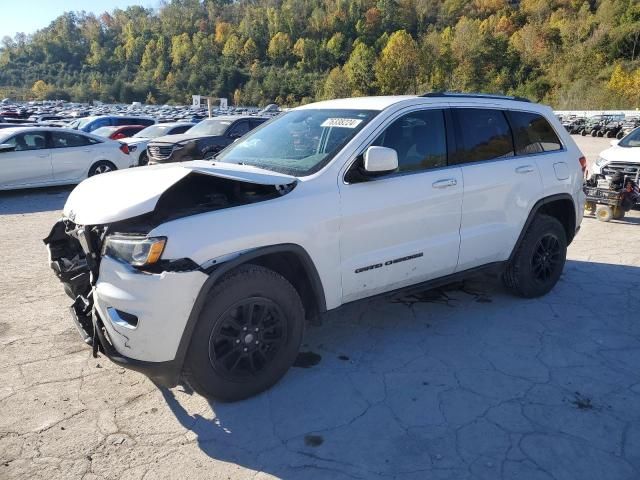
(539, 260)
(247, 336)
(100, 167)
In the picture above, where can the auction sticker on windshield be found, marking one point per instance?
(341, 122)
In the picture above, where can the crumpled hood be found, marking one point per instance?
(123, 194)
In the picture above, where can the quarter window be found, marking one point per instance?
(67, 140)
(419, 139)
(28, 141)
(533, 134)
(485, 135)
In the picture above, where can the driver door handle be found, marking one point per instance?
(525, 169)
(447, 182)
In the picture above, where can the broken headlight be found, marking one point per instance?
(137, 251)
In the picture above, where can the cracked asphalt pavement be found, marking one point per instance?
(464, 382)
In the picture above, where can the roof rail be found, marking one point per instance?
(475, 95)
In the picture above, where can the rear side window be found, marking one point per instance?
(533, 134)
(484, 134)
(419, 139)
(67, 140)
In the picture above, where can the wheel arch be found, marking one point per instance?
(289, 260)
(560, 206)
(101, 160)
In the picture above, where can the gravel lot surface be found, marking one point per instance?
(462, 382)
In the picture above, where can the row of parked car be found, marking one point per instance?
(610, 126)
(41, 155)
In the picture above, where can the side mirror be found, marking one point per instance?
(380, 160)
(614, 142)
(5, 147)
(234, 135)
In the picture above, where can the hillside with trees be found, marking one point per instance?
(567, 53)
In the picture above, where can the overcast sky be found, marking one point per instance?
(30, 15)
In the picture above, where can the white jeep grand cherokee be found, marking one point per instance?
(206, 271)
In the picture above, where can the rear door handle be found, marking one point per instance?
(448, 182)
(43, 156)
(525, 169)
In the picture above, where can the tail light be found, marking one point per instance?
(583, 164)
(124, 148)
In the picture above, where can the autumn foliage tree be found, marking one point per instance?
(396, 69)
(569, 53)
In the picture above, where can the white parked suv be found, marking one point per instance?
(205, 271)
(622, 157)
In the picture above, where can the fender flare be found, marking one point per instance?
(534, 211)
(218, 271)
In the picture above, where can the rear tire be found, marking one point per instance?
(539, 259)
(247, 336)
(604, 213)
(103, 166)
(590, 207)
(618, 213)
(143, 159)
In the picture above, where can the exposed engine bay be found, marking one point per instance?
(199, 193)
(75, 250)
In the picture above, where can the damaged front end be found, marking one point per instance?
(132, 310)
(74, 258)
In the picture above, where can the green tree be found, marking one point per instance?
(40, 89)
(280, 48)
(335, 85)
(397, 67)
(359, 70)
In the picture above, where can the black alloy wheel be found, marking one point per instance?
(247, 335)
(546, 258)
(247, 338)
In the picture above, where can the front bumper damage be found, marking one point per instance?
(121, 312)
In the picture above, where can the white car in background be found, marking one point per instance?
(41, 156)
(623, 156)
(138, 142)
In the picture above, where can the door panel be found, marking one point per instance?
(29, 164)
(497, 200)
(499, 187)
(71, 156)
(399, 231)
(404, 228)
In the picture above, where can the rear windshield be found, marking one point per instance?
(153, 131)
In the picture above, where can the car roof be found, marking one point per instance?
(380, 103)
(12, 131)
(232, 118)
